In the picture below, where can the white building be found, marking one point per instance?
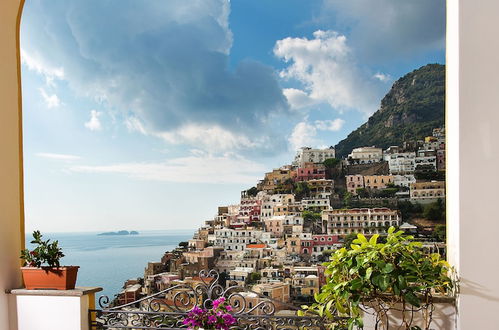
(426, 158)
(269, 201)
(404, 180)
(309, 155)
(236, 239)
(267, 238)
(366, 155)
(401, 163)
(322, 202)
(240, 274)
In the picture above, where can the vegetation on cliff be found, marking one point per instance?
(411, 109)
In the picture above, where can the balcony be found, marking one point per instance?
(76, 309)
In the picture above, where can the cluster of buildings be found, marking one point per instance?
(280, 232)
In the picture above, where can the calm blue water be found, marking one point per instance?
(108, 261)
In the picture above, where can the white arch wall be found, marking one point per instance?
(11, 214)
(473, 162)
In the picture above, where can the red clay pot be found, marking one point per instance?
(55, 278)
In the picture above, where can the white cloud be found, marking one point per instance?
(305, 134)
(298, 99)
(52, 101)
(165, 64)
(382, 77)
(209, 137)
(54, 156)
(330, 125)
(197, 168)
(94, 123)
(133, 124)
(36, 63)
(326, 68)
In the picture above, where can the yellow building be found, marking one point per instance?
(427, 190)
(281, 178)
(377, 181)
(293, 245)
(305, 285)
(288, 209)
(276, 290)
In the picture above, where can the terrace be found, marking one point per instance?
(472, 80)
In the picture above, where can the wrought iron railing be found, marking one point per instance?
(168, 308)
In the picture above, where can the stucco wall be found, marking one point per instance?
(10, 174)
(52, 313)
(473, 177)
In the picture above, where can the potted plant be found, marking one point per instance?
(42, 269)
(390, 282)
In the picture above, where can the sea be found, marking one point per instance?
(108, 261)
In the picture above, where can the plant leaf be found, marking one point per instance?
(412, 299)
(388, 268)
(374, 239)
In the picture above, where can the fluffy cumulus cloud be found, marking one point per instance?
(328, 72)
(164, 64)
(304, 134)
(196, 168)
(389, 29)
(94, 123)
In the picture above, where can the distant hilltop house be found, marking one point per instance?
(309, 155)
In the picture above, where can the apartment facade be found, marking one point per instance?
(420, 191)
(401, 163)
(362, 220)
(310, 171)
(366, 155)
(354, 182)
(309, 155)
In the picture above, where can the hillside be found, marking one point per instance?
(412, 108)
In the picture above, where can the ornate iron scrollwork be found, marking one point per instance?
(168, 308)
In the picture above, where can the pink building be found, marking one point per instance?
(275, 225)
(325, 239)
(249, 210)
(324, 242)
(306, 246)
(310, 172)
(354, 182)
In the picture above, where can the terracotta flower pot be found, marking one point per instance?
(55, 278)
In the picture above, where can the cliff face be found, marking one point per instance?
(412, 108)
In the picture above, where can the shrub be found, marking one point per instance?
(380, 275)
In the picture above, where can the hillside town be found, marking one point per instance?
(276, 238)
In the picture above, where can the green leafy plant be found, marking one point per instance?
(376, 277)
(45, 253)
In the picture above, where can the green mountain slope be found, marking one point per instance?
(411, 109)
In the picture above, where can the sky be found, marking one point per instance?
(146, 114)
